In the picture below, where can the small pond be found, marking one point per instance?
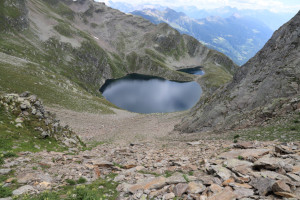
(149, 94)
(194, 70)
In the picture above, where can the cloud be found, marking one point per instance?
(272, 5)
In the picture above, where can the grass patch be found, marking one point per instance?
(13, 139)
(5, 191)
(64, 29)
(100, 189)
(186, 178)
(215, 76)
(284, 130)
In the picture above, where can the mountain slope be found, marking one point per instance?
(240, 38)
(63, 51)
(266, 86)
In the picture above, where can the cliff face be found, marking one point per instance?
(82, 43)
(260, 89)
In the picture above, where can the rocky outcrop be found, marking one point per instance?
(29, 110)
(266, 86)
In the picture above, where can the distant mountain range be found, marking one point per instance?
(271, 19)
(236, 36)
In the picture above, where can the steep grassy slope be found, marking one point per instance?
(267, 86)
(63, 51)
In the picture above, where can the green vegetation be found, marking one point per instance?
(155, 55)
(48, 75)
(240, 157)
(186, 178)
(5, 191)
(100, 189)
(13, 139)
(65, 11)
(215, 76)
(71, 182)
(64, 29)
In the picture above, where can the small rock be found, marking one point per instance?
(5, 171)
(283, 149)
(19, 125)
(286, 194)
(119, 178)
(243, 192)
(268, 162)
(176, 178)
(214, 188)
(224, 195)
(19, 120)
(154, 183)
(102, 163)
(169, 196)
(193, 143)
(24, 94)
(228, 181)
(45, 185)
(281, 186)
(247, 154)
(293, 177)
(22, 190)
(263, 185)
(195, 187)
(221, 172)
(180, 189)
(244, 145)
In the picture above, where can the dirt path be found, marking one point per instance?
(122, 127)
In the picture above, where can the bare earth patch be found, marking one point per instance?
(122, 127)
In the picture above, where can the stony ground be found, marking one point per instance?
(150, 162)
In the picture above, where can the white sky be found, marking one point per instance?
(272, 5)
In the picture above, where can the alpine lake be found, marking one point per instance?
(150, 94)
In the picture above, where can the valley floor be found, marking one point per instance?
(123, 127)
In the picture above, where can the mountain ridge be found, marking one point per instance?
(265, 87)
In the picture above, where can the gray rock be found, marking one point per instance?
(195, 187)
(176, 178)
(268, 162)
(243, 192)
(180, 189)
(22, 190)
(262, 185)
(221, 172)
(5, 171)
(24, 94)
(7, 198)
(294, 177)
(281, 186)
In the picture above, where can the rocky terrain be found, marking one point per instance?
(187, 170)
(265, 87)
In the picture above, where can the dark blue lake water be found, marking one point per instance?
(194, 70)
(149, 94)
